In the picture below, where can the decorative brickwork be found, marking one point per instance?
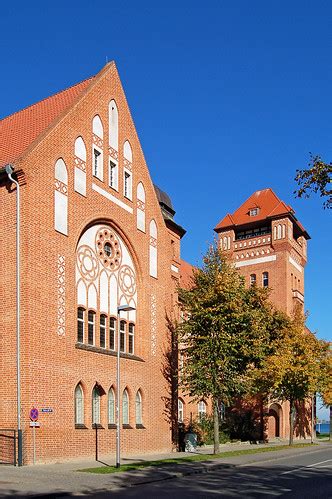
(61, 287)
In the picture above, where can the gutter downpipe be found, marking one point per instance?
(9, 170)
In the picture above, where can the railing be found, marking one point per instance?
(8, 438)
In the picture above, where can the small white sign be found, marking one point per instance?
(36, 424)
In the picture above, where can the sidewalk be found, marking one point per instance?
(63, 479)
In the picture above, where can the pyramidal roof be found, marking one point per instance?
(21, 129)
(268, 206)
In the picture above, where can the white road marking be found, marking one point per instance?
(303, 467)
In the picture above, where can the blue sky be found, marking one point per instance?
(227, 96)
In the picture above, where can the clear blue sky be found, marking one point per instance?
(228, 97)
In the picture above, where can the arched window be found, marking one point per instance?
(125, 408)
(97, 147)
(201, 409)
(275, 232)
(111, 407)
(153, 249)
(91, 327)
(113, 116)
(102, 327)
(283, 231)
(61, 197)
(252, 279)
(138, 406)
(180, 411)
(95, 406)
(80, 325)
(80, 166)
(79, 405)
(265, 279)
(141, 207)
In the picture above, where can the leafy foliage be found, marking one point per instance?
(316, 178)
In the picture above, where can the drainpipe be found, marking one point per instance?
(9, 170)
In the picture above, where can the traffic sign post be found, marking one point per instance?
(33, 414)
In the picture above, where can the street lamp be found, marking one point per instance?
(121, 308)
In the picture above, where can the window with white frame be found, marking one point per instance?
(113, 175)
(97, 163)
(201, 409)
(91, 327)
(112, 333)
(127, 186)
(131, 331)
(138, 403)
(95, 406)
(111, 407)
(102, 328)
(122, 336)
(79, 405)
(180, 411)
(265, 279)
(125, 408)
(80, 325)
(254, 212)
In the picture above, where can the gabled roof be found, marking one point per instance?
(269, 206)
(186, 274)
(21, 129)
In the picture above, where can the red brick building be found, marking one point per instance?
(95, 235)
(269, 247)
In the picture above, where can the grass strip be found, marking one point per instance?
(188, 459)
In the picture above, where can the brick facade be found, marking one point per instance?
(53, 362)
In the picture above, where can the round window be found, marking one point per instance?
(108, 249)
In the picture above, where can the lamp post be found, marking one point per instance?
(121, 308)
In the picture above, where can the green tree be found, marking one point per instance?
(326, 389)
(316, 178)
(224, 332)
(295, 368)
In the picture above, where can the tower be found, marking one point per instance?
(269, 247)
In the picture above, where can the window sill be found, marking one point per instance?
(105, 351)
(80, 427)
(112, 426)
(140, 427)
(127, 427)
(97, 426)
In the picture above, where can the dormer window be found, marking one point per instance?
(253, 212)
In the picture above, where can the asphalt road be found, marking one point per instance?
(308, 475)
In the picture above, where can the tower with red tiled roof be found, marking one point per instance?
(268, 245)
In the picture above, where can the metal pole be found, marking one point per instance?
(34, 444)
(312, 419)
(118, 397)
(9, 171)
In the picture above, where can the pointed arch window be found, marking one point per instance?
(125, 408)
(111, 407)
(91, 326)
(102, 328)
(138, 407)
(95, 406)
(79, 405)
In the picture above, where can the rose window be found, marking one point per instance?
(108, 249)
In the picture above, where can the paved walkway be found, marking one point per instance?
(63, 479)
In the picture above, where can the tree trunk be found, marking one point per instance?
(291, 421)
(215, 427)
